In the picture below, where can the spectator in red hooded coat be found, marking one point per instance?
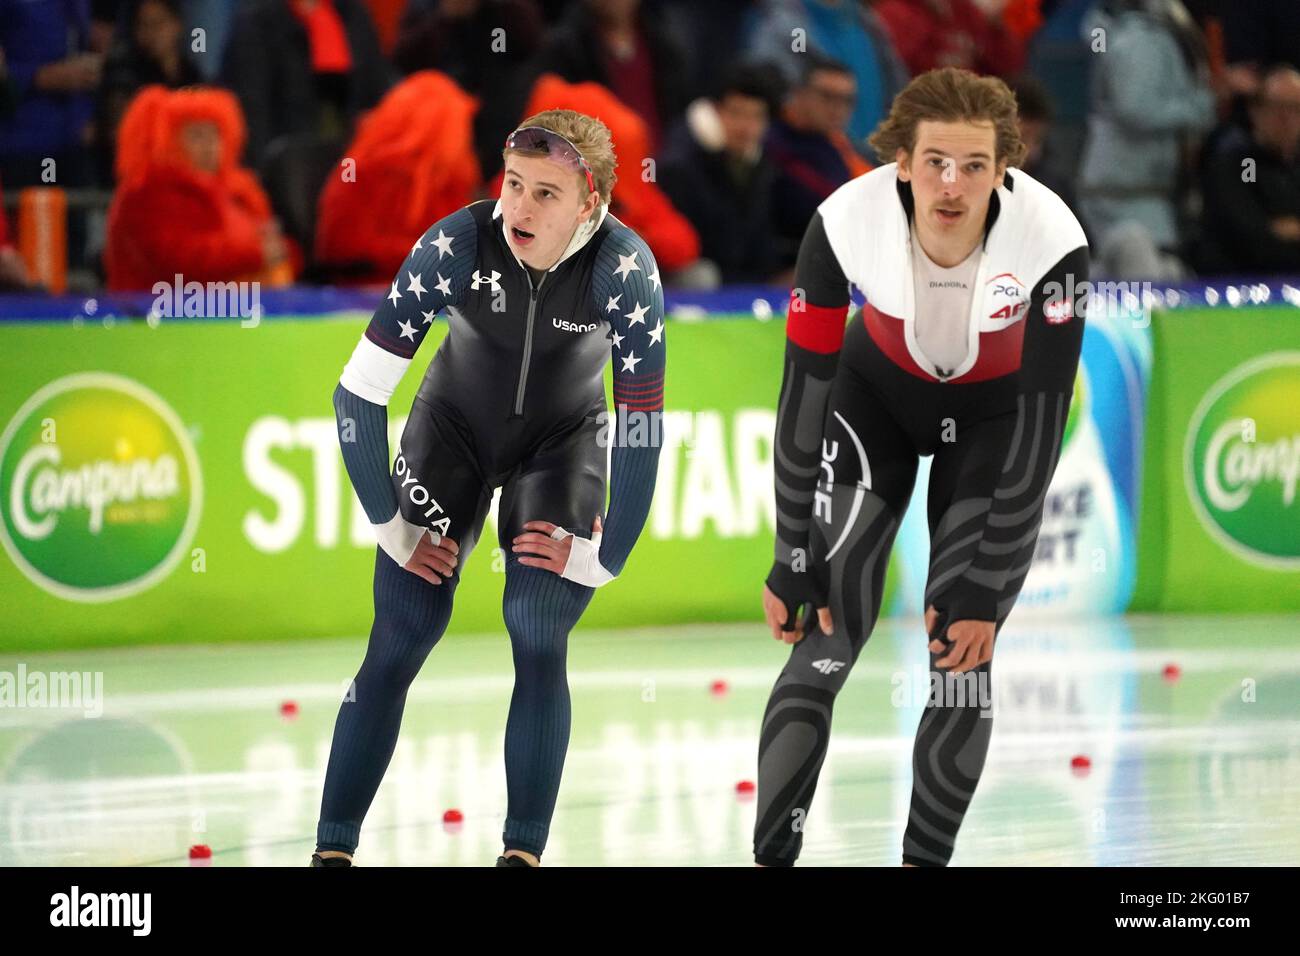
(413, 162)
(183, 204)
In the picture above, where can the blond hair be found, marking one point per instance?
(589, 135)
(950, 95)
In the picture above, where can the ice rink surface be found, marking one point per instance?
(191, 745)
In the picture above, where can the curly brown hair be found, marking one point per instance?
(950, 95)
(589, 135)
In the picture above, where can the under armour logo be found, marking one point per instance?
(479, 279)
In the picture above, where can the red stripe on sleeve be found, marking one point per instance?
(647, 406)
(639, 389)
(816, 328)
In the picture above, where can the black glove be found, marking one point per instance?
(940, 630)
(796, 589)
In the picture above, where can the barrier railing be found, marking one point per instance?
(757, 301)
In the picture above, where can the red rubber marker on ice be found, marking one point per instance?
(718, 688)
(200, 851)
(1080, 762)
(289, 709)
(745, 787)
(1172, 672)
(453, 816)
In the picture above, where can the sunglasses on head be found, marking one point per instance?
(538, 139)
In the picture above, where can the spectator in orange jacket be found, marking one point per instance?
(183, 204)
(13, 271)
(413, 162)
(638, 201)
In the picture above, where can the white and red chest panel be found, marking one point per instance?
(868, 229)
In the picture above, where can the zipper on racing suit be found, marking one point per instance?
(528, 341)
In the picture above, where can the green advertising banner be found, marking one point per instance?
(1220, 524)
(183, 482)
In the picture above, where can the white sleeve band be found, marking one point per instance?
(584, 565)
(372, 373)
(398, 537)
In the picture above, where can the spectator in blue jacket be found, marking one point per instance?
(53, 74)
(1151, 97)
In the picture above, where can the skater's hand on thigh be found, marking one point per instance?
(972, 645)
(551, 554)
(431, 561)
(561, 552)
(774, 611)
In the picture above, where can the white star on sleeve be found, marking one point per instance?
(416, 286)
(394, 295)
(442, 285)
(629, 362)
(443, 242)
(612, 304)
(654, 277)
(428, 316)
(637, 315)
(408, 331)
(618, 340)
(627, 265)
(656, 334)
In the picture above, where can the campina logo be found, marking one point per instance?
(1241, 458)
(100, 488)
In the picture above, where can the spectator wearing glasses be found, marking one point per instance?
(851, 32)
(1251, 188)
(810, 149)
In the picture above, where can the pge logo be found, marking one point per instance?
(1006, 300)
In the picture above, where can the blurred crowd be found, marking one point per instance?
(312, 141)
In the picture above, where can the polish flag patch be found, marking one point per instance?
(1058, 311)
